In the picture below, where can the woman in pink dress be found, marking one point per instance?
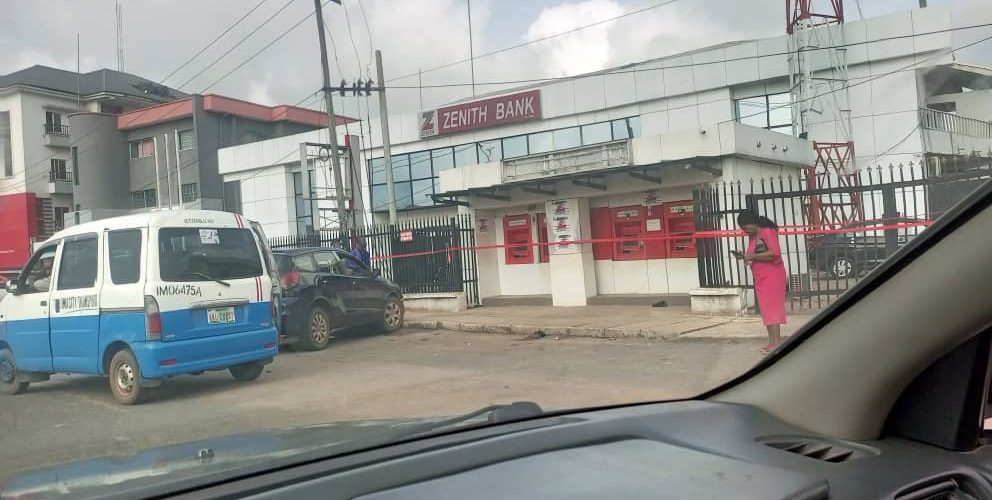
(765, 257)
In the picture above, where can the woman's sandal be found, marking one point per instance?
(767, 349)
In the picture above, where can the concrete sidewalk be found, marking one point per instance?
(603, 321)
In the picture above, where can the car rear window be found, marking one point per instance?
(202, 254)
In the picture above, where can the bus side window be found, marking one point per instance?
(124, 247)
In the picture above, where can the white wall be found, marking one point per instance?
(267, 198)
(35, 154)
(12, 104)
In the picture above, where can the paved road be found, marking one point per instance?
(410, 374)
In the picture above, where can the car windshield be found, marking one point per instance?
(249, 239)
(203, 254)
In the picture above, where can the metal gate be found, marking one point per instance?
(825, 259)
(430, 255)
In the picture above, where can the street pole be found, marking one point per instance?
(331, 121)
(168, 171)
(471, 46)
(384, 122)
(179, 170)
(158, 177)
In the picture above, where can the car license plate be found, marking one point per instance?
(220, 315)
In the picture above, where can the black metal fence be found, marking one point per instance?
(833, 229)
(430, 255)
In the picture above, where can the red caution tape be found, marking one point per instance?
(698, 235)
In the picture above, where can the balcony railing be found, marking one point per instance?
(56, 129)
(949, 122)
(568, 161)
(59, 176)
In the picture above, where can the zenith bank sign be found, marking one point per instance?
(474, 115)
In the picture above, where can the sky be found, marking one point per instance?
(414, 35)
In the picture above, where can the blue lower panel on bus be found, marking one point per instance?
(159, 359)
(28, 339)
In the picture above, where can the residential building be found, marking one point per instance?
(166, 155)
(36, 174)
(616, 153)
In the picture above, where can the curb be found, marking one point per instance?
(694, 334)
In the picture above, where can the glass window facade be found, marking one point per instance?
(416, 174)
(772, 112)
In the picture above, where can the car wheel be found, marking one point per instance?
(392, 316)
(125, 378)
(318, 331)
(247, 372)
(841, 266)
(8, 374)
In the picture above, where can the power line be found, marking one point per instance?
(675, 66)
(236, 45)
(263, 49)
(536, 40)
(215, 40)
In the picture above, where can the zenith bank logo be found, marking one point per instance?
(428, 123)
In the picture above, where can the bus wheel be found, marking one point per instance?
(8, 374)
(247, 372)
(125, 378)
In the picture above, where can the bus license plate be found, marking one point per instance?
(220, 315)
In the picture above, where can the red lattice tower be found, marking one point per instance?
(819, 91)
(837, 201)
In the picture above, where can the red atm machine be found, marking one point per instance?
(517, 231)
(680, 221)
(628, 222)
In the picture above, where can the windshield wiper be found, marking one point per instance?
(211, 278)
(495, 414)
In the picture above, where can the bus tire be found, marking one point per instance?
(124, 376)
(246, 372)
(9, 384)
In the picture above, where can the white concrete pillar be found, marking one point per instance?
(572, 270)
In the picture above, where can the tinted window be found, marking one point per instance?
(125, 256)
(350, 266)
(401, 167)
(420, 164)
(191, 253)
(515, 146)
(422, 191)
(378, 166)
(442, 159)
(596, 133)
(465, 155)
(567, 138)
(326, 261)
(490, 151)
(78, 266)
(284, 263)
(541, 142)
(304, 263)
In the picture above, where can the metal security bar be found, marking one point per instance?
(933, 119)
(429, 255)
(824, 259)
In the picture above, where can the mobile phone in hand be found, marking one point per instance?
(737, 253)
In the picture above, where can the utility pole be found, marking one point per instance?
(331, 121)
(471, 47)
(384, 122)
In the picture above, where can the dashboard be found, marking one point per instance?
(690, 449)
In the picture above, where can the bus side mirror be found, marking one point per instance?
(376, 272)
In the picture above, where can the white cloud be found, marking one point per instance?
(260, 92)
(581, 51)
